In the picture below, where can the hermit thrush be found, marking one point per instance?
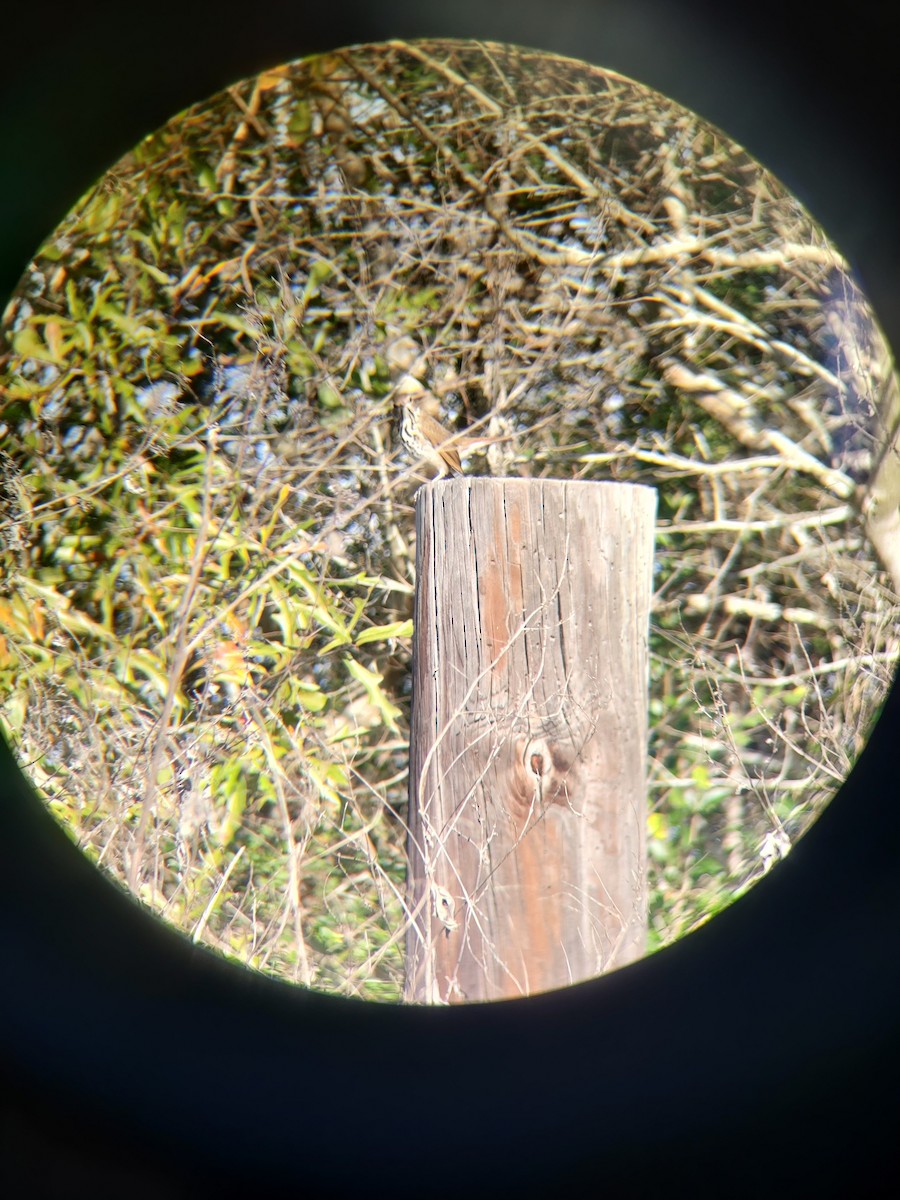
(424, 436)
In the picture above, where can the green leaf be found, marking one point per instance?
(329, 397)
(153, 272)
(371, 681)
(311, 698)
(657, 826)
(700, 775)
(381, 633)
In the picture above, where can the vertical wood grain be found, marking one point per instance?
(529, 735)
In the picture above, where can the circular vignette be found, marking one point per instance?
(791, 916)
(208, 530)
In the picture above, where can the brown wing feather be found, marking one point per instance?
(435, 432)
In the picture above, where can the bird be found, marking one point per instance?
(423, 435)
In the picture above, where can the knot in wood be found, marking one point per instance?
(542, 773)
(444, 907)
(538, 758)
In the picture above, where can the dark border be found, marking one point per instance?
(758, 1055)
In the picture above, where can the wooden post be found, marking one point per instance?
(529, 735)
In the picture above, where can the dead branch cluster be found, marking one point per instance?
(207, 514)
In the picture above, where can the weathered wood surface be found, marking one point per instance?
(529, 735)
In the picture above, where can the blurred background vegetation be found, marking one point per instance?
(206, 519)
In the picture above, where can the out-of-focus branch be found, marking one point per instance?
(737, 414)
(882, 496)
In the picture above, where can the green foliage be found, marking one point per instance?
(204, 641)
